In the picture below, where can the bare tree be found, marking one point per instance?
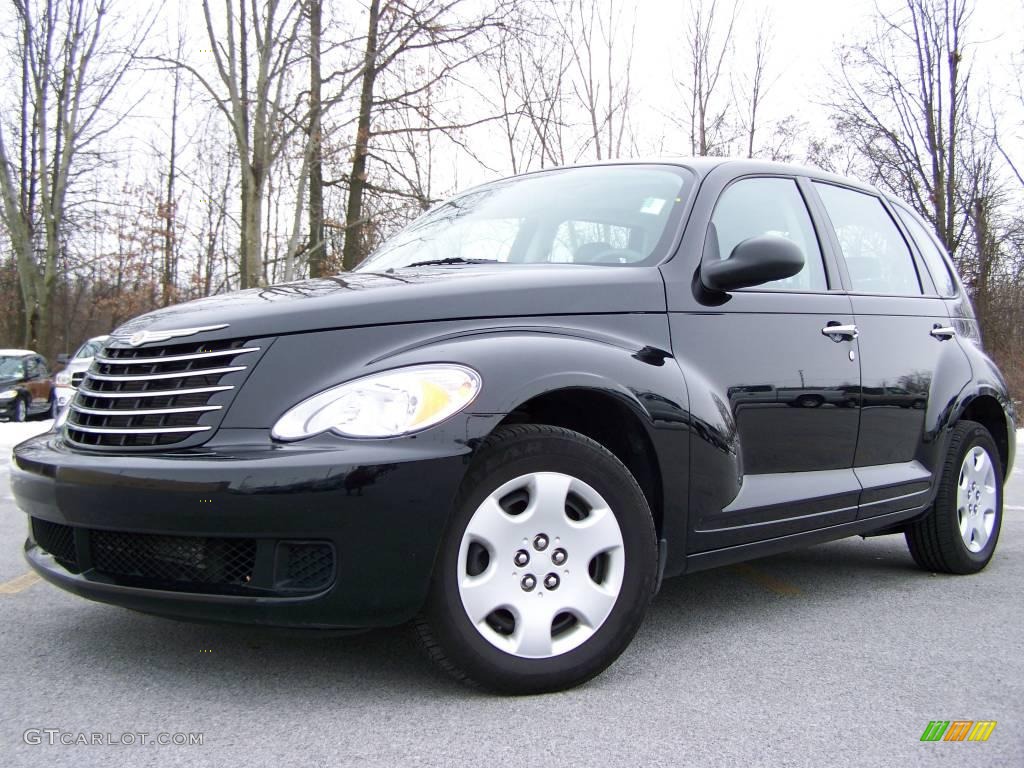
(253, 57)
(170, 255)
(532, 76)
(71, 64)
(316, 247)
(709, 36)
(397, 30)
(754, 87)
(601, 82)
(901, 99)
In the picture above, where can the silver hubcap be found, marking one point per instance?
(556, 596)
(976, 499)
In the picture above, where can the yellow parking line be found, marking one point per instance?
(768, 582)
(14, 586)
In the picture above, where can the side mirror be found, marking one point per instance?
(755, 261)
(62, 358)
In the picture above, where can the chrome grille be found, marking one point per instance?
(155, 396)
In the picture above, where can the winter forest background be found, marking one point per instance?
(153, 153)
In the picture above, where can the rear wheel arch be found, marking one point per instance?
(986, 410)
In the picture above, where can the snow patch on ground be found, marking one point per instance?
(12, 433)
(1019, 469)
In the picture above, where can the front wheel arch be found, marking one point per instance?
(609, 421)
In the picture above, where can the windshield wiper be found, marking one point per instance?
(450, 260)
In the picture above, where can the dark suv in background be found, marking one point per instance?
(526, 409)
(25, 385)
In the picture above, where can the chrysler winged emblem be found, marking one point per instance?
(145, 337)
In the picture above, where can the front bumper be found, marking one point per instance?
(199, 534)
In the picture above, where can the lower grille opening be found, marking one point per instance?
(304, 565)
(204, 564)
(58, 540)
(179, 561)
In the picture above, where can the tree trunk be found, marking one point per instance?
(170, 262)
(352, 252)
(251, 271)
(317, 255)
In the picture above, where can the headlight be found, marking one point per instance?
(63, 379)
(387, 404)
(62, 417)
(7, 394)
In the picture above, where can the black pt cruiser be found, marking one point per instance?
(526, 409)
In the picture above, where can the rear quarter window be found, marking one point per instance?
(933, 256)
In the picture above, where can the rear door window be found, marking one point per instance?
(878, 259)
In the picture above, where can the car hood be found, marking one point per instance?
(413, 295)
(7, 383)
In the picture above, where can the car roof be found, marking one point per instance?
(16, 352)
(702, 166)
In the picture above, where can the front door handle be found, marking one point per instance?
(838, 332)
(943, 332)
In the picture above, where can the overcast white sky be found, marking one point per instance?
(806, 36)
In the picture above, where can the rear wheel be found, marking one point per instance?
(960, 532)
(548, 566)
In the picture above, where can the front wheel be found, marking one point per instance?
(20, 410)
(960, 532)
(548, 566)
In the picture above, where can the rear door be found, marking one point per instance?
(911, 369)
(37, 381)
(786, 391)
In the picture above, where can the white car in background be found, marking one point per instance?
(67, 381)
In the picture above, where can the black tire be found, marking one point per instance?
(935, 541)
(20, 412)
(53, 410)
(444, 628)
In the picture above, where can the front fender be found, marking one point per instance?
(622, 356)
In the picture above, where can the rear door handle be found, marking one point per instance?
(943, 332)
(838, 332)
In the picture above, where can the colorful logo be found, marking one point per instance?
(958, 730)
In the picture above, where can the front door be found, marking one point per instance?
(785, 383)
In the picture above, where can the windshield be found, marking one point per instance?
(612, 215)
(89, 349)
(12, 367)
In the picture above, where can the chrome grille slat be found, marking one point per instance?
(177, 375)
(145, 412)
(172, 358)
(160, 393)
(135, 399)
(136, 431)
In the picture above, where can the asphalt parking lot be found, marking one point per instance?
(838, 654)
